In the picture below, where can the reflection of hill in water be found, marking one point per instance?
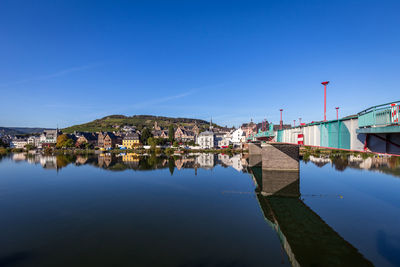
(306, 238)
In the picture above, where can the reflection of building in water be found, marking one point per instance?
(320, 161)
(206, 161)
(48, 162)
(104, 159)
(369, 163)
(81, 160)
(131, 160)
(130, 157)
(19, 157)
(224, 159)
(237, 163)
(33, 159)
(184, 163)
(385, 164)
(306, 238)
(234, 162)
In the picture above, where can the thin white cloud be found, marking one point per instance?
(51, 75)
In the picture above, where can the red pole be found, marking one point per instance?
(294, 123)
(325, 84)
(325, 102)
(281, 121)
(337, 113)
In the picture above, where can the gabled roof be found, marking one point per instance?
(88, 136)
(131, 136)
(206, 133)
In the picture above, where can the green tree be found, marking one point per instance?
(171, 165)
(146, 134)
(2, 143)
(63, 141)
(176, 144)
(29, 147)
(152, 142)
(171, 133)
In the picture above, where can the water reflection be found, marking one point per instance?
(384, 164)
(120, 162)
(306, 238)
(133, 161)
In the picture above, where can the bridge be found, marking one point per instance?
(376, 129)
(266, 135)
(306, 238)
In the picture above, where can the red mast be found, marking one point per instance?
(337, 113)
(325, 84)
(281, 121)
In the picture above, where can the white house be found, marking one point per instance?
(18, 143)
(49, 136)
(206, 139)
(224, 140)
(205, 160)
(238, 137)
(34, 140)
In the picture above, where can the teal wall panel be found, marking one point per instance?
(344, 135)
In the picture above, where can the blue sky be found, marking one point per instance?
(68, 62)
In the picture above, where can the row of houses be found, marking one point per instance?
(46, 138)
(129, 137)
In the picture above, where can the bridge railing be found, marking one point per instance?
(377, 115)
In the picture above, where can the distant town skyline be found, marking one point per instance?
(71, 62)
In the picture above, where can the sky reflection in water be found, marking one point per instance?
(207, 210)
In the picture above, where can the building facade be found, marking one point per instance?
(183, 134)
(131, 140)
(18, 143)
(206, 139)
(108, 140)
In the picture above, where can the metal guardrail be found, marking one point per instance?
(269, 133)
(376, 116)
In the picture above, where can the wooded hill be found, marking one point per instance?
(115, 122)
(19, 130)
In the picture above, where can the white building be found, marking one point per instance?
(34, 140)
(206, 139)
(238, 137)
(237, 163)
(205, 160)
(49, 136)
(18, 143)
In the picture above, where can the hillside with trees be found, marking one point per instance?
(20, 130)
(116, 122)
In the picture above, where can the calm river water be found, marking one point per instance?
(203, 210)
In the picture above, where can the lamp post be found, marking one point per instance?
(325, 84)
(294, 123)
(337, 113)
(281, 121)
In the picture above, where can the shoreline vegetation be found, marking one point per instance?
(139, 151)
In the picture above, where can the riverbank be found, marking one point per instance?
(139, 151)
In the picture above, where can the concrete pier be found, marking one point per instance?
(275, 156)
